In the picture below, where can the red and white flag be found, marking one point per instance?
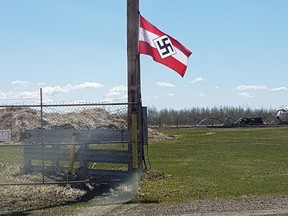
(162, 47)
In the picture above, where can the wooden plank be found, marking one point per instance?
(104, 136)
(101, 176)
(36, 151)
(83, 136)
(64, 156)
(104, 156)
(46, 136)
(88, 155)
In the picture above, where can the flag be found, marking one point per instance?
(163, 48)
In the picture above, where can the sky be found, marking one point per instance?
(76, 51)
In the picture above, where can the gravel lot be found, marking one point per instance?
(267, 206)
(271, 206)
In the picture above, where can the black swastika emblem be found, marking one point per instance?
(164, 46)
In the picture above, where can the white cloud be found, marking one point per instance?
(251, 87)
(118, 91)
(106, 100)
(50, 91)
(164, 84)
(201, 95)
(279, 89)
(21, 82)
(53, 90)
(171, 95)
(28, 95)
(120, 88)
(18, 96)
(79, 101)
(198, 79)
(84, 85)
(111, 100)
(47, 91)
(114, 93)
(245, 94)
(3, 95)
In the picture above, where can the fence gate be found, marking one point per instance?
(66, 143)
(102, 155)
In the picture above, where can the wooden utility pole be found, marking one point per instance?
(133, 63)
(134, 86)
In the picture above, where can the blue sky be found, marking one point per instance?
(76, 52)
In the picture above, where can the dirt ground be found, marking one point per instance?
(244, 207)
(272, 206)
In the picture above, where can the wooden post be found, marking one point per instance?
(72, 153)
(133, 63)
(134, 88)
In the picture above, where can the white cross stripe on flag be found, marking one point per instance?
(163, 48)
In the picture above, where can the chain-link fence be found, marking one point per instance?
(64, 143)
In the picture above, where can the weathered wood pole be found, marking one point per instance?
(133, 63)
(134, 87)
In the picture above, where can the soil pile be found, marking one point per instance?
(155, 135)
(19, 119)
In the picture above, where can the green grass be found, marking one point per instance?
(10, 154)
(204, 163)
(219, 163)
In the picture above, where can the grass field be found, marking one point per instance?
(195, 164)
(209, 163)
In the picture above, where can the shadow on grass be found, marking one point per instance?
(92, 192)
(142, 201)
(94, 195)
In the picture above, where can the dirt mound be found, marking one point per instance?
(86, 119)
(155, 135)
(152, 174)
(19, 119)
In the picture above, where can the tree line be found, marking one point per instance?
(214, 115)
